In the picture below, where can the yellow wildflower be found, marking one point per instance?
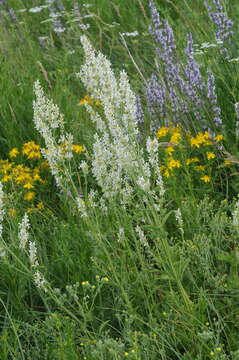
(29, 195)
(227, 162)
(205, 178)
(195, 142)
(40, 206)
(200, 139)
(20, 168)
(218, 137)
(6, 178)
(12, 212)
(22, 176)
(85, 283)
(176, 135)
(37, 177)
(167, 173)
(28, 186)
(5, 166)
(200, 167)
(163, 131)
(173, 164)
(31, 150)
(86, 100)
(77, 148)
(169, 150)
(13, 153)
(210, 155)
(192, 160)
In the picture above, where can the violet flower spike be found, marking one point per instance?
(221, 21)
(139, 111)
(212, 96)
(156, 96)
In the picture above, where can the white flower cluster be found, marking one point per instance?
(81, 207)
(33, 254)
(48, 120)
(117, 161)
(152, 149)
(142, 237)
(38, 277)
(40, 281)
(179, 219)
(23, 233)
(37, 9)
(130, 34)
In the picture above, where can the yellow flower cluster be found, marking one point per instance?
(206, 178)
(173, 138)
(192, 160)
(87, 100)
(162, 132)
(78, 148)
(21, 175)
(31, 150)
(174, 132)
(65, 147)
(173, 164)
(13, 153)
(210, 155)
(201, 139)
(39, 206)
(24, 177)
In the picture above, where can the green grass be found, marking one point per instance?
(130, 282)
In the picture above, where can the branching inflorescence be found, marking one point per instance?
(50, 124)
(223, 24)
(117, 161)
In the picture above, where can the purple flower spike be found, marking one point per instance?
(222, 23)
(162, 33)
(212, 96)
(156, 94)
(155, 18)
(193, 74)
(139, 111)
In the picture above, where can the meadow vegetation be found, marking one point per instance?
(119, 208)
